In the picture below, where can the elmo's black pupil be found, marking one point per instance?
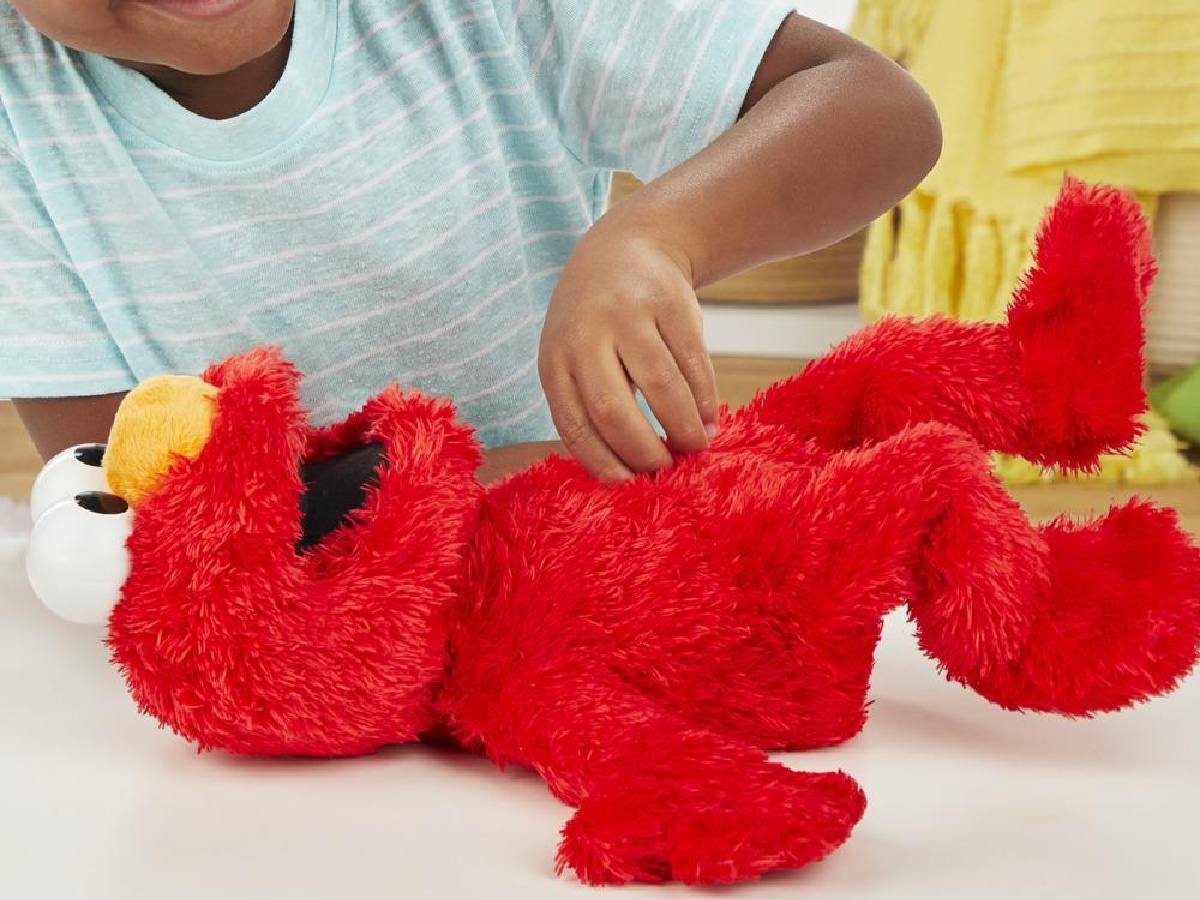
(91, 455)
(101, 503)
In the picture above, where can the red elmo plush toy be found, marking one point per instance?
(642, 647)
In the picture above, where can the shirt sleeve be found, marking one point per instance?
(641, 85)
(53, 342)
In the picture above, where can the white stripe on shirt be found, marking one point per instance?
(610, 65)
(382, 25)
(386, 74)
(683, 95)
(643, 91)
(425, 336)
(365, 277)
(357, 238)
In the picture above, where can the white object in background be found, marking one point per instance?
(75, 470)
(797, 332)
(836, 13)
(1173, 320)
(15, 520)
(76, 559)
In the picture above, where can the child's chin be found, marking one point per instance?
(220, 48)
(218, 61)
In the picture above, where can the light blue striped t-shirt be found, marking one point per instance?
(398, 208)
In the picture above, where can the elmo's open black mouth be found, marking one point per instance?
(334, 488)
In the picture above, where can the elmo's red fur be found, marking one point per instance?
(642, 647)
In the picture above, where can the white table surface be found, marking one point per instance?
(967, 802)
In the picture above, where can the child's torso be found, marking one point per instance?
(397, 209)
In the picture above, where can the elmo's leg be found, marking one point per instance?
(807, 568)
(1113, 618)
(659, 799)
(816, 566)
(1067, 618)
(1059, 384)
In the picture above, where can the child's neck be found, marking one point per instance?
(227, 95)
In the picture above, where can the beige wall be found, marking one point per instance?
(18, 461)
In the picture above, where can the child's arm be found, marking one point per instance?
(56, 423)
(832, 134)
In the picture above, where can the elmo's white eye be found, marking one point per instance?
(74, 471)
(76, 559)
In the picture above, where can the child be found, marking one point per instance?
(407, 190)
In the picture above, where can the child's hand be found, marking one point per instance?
(625, 315)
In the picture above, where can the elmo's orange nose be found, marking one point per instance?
(163, 419)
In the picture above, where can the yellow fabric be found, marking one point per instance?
(1027, 90)
(894, 27)
(1156, 459)
(1106, 88)
(159, 421)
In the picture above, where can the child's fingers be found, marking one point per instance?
(578, 433)
(654, 370)
(614, 412)
(684, 337)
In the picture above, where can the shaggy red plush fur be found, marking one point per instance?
(642, 647)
